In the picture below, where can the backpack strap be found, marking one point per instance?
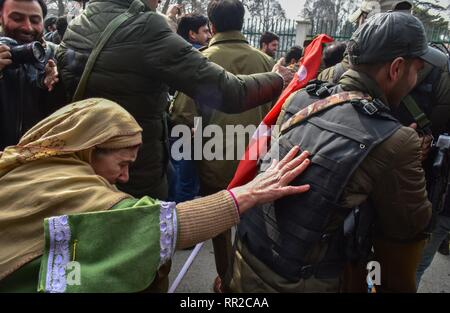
(135, 8)
(323, 104)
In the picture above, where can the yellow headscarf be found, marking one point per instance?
(48, 174)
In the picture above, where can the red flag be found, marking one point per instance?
(308, 67)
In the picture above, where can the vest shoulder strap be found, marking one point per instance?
(322, 105)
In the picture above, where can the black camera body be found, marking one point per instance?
(30, 53)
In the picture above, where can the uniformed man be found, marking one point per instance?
(362, 157)
(428, 107)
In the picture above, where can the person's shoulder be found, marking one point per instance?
(403, 144)
(156, 17)
(326, 74)
(149, 23)
(404, 136)
(153, 28)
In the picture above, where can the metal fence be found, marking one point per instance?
(344, 32)
(438, 34)
(284, 28)
(332, 28)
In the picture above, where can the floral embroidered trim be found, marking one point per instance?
(168, 230)
(58, 255)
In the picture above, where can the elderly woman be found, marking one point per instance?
(64, 227)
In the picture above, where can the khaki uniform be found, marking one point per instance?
(231, 51)
(329, 74)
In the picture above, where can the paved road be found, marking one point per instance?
(200, 277)
(437, 276)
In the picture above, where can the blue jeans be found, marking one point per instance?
(439, 234)
(184, 184)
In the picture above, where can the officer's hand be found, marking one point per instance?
(427, 140)
(425, 147)
(5, 56)
(285, 73)
(51, 75)
(274, 183)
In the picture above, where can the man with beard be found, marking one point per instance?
(23, 87)
(269, 43)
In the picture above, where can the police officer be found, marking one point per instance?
(362, 158)
(427, 107)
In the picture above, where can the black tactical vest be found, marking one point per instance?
(283, 234)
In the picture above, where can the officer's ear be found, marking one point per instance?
(397, 69)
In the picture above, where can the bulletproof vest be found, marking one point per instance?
(284, 233)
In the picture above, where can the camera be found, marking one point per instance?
(29, 53)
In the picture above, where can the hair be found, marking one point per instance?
(41, 3)
(226, 15)
(372, 69)
(334, 53)
(49, 21)
(267, 37)
(191, 22)
(294, 52)
(104, 151)
(61, 25)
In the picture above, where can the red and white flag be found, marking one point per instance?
(308, 67)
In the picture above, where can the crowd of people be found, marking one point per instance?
(89, 174)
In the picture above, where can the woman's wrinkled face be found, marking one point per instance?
(113, 165)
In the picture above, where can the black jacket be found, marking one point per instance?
(23, 100)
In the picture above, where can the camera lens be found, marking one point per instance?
(38, 52)
(30, 53)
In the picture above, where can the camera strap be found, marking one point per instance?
(135, 8)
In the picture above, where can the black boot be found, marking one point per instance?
(444, 247)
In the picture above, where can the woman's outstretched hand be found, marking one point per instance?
(274, 182)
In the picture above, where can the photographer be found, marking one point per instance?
(27, 69)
